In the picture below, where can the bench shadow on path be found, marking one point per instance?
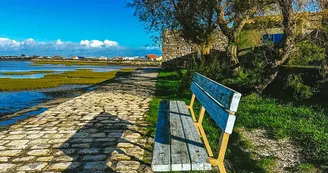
(94, 146)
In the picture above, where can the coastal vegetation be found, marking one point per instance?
(28, 72)
(305, 125)
(87, 77)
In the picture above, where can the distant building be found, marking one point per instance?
(159, 58)
(75, 57)
(81, 57)
(57, 57)
(117, 58)
(151, 57)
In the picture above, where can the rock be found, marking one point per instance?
(24, 159)
(18, 142)
(89, 151)
(94, 158)
(127, 165)
(45, 159)
(4, 167)
(38, 152)
(96, 166)
(10, 152)
(64, 166)
(4, 159)
(33, 166)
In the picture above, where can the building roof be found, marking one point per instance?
(151, 56)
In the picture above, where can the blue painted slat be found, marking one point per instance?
(227, 97)
(219, 115)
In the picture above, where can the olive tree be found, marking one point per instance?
(199, 20)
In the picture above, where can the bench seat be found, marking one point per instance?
(178, 146)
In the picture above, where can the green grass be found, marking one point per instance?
(28, 73)
(54, 80)
(304, 125)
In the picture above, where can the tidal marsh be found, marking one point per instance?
(28, 72)
(86, 77)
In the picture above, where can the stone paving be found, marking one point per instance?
(100, 131)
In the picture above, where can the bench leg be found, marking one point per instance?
(200, 130)
(222, 150)
(190, 107)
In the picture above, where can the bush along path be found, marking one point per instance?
(100, 131)
(269, 136)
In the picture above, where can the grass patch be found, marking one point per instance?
(54, 80)
(306, 126)
(28, 73)
(84, 69)
(307, 168)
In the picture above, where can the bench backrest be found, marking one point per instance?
(219, 101)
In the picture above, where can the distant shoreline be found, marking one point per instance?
(132, 63)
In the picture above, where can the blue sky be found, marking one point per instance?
(71, 27)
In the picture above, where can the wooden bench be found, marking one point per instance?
(180, 141)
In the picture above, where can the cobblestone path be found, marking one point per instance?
(100, 131)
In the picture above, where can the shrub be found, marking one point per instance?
(308, 54)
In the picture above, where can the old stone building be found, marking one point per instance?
(174, 46)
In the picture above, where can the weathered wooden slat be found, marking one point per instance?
(197, 152)
(227, 97)
(179, 152)
(161, 154)
(224, 120)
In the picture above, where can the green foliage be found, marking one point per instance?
(307, 168)
(249, 39)
(301, 91)
(216, 67)
(308, 54)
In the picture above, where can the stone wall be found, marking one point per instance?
(174, 46)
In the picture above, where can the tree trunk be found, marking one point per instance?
(232, 53)
(324, 23)
(288, 43)
(324, 5)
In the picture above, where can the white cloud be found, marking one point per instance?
(66, 48)
(84, 42)
(5, 42)
(109, 43)
(59, 42)
(29, 41)
(98, 43)
(151, 47)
